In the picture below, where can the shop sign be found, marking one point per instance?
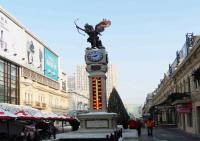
(184, 108)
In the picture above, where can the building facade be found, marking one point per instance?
(177, 98)
(29, 70)
(9, 82)
(111, 81)
(78, 102)
(81, 80)
(71, 82)
(148, 104)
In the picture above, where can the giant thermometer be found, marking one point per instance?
(97, 93)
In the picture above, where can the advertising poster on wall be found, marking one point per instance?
(50, 64)
(34, 55)
(19, 46)
(11, 39)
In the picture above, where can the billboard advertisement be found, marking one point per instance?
(50, 64)
(19, 46)
(11, 39)
(33, 55)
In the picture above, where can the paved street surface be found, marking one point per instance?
(128, 135)
(159, 134)
(168, 134)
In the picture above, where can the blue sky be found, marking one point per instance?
(141, 41)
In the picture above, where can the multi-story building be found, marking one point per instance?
(177, 98)
(9, 81)
(29, 70)
(82, 81)
(71, 82)
(111, 81)
(63, 81)
(78, 93)
(78, 102)
(148, 104)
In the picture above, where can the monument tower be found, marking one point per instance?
(96, 59)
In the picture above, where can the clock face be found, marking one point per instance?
(95, 56)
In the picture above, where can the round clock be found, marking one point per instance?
(95, 56)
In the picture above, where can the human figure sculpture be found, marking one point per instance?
(94, 33)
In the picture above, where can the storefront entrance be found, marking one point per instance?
(198, 119)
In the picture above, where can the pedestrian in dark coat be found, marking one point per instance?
(138, 125)
(52, 130)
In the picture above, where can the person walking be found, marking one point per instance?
(23, 134)
(149, 124)
(138, 127)
(52, 131)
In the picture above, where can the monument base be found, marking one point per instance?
(94, 126)
(97, 121)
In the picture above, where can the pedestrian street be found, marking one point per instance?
(168, 134)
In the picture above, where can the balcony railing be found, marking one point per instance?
(37, 104)
(44, 105)
(28, 103)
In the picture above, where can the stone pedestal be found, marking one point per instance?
(98, 121)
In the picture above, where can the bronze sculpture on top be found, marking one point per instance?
(94, 33)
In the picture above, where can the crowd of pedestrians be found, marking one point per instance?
(138, 124)
(38, 131)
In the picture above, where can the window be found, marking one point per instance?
(9, 83)
(189, 87)
(25, 96)
(196, 84)
(1, 93)
(50, 100)
(13, 71)
(38, 98)
(42, 99)
(184, 86)
(1, 66)
(1, 82)
(64, 85)
(13, 92)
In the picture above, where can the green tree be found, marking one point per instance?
(116, 105)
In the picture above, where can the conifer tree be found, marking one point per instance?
(116, 105)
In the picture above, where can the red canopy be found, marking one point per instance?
(6, 115)
(67, 117)
(23, 115)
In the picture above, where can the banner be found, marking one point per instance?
(50, 64)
